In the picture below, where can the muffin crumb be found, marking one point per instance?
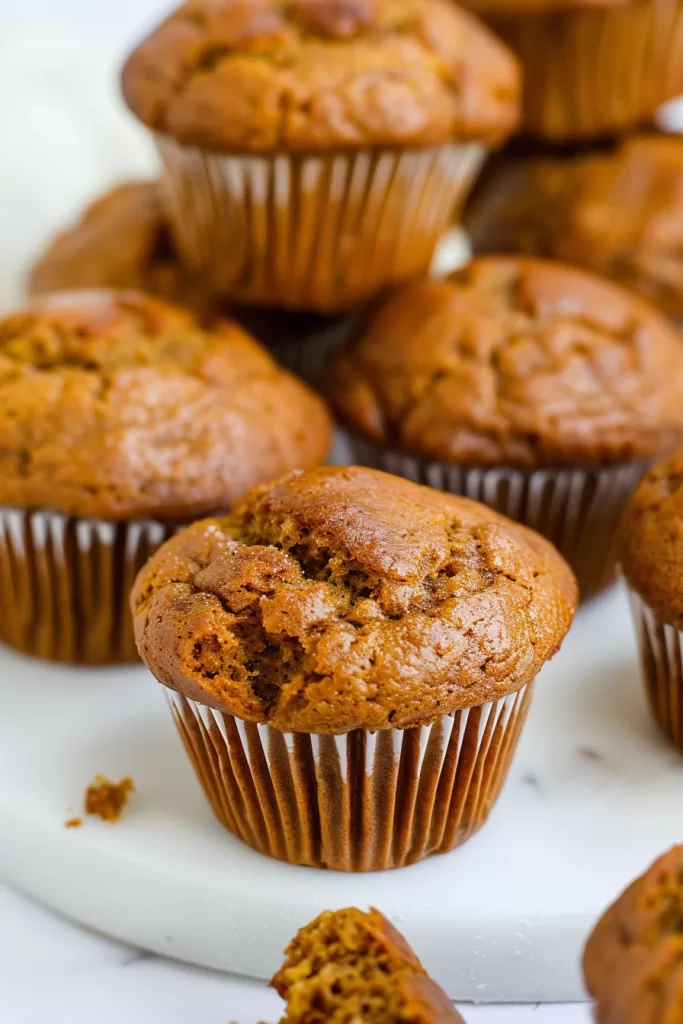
(107, 800)
(73, 823)
(347, 965)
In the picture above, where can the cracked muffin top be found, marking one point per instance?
(122, 240)
(118, 405)
(517, 361)
(619, 213)
(347, 598)
(270, 75)
(652, 540)
(633, 962)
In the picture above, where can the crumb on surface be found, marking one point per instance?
(108, 799)
(73, 823)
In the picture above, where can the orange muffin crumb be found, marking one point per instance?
(108, 799)
(73, 823)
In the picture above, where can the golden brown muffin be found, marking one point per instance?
(119, 416)
(360, 613)
(347, 966)
(268, 76)
(652, 561)
(314, 151)
(619, 213)
(633, 962)
(121, 240)
(591, 67)
(537, 388)
(652, 544)
(350, 599)
(116, 405)
(515, 361)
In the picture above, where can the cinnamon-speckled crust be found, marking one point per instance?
(122, 240)
(515, 361)
(619, 213)
(652, 540)
(270, 76)
(347, 598)
(117, 405)
(633, 962)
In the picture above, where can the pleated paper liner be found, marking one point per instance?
(591, 71)
(661, 659)
(322, 233)
(359, 802)
(65, 583)
(579, 510)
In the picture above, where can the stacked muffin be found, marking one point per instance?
(586, 184)
(312, 153)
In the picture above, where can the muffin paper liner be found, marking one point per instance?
(358, 802)
(579, 510)
(65, 584)
(592, 71)
(661, 659)
(312, 232)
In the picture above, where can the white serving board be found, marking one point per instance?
(593, 795)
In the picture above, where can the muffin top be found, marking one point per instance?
(122, 240)
(633, 962)
(309, 75)
(117, 405)
(652, 540)
(346, 598)
(361, 969)
(516, 361)
(619, 213)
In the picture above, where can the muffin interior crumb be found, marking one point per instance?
(338, 970)
(106, 799)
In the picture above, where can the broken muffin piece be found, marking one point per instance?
(348, 966)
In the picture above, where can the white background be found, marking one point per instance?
(112, 20)
(49, 969)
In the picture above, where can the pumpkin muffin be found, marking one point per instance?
(123, 240)
(119, 417)
(347, 965)
(633, 962)
(327, 630)
(618, 212)
(591, 67)
(541, 390)
(652, 560)
(314, 151)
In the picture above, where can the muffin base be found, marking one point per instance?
(660, 647)
(579, 510)
(65, 583)
(594, 71)
(358, 802)
(322, 233)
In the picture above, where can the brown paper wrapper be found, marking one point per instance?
(591, 71)
(579, 510)
(359, 802)
(661, 659)
(65, 584)
(321, 233)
